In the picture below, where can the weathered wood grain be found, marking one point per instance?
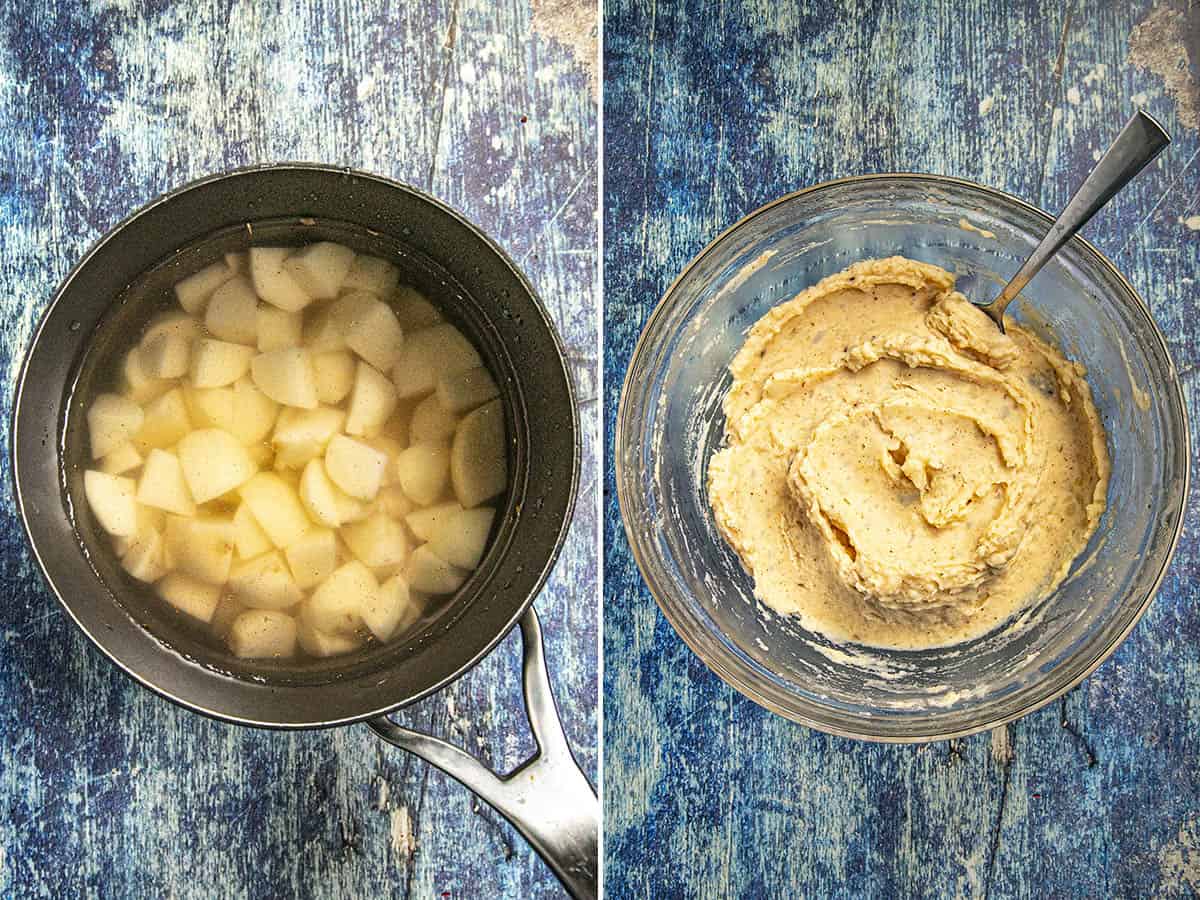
(106, 790)
(708, 116)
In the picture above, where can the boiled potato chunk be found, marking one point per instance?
(273, 283)
(318, 425)
(313, 557)
(248, 537)
(193, 292)
(112, 421)
(371, 403)
(320, 495)
(163, 484)
(322, 643)
(370, 273)
(334, 372)
(264, 582)
(422, 471)
(178, 324)
(276, 507)
(112, 500)
(201, 546)
(219, 363)
(227, 610)
(254, 413)
(372, 330)
(431, 423)
(189, 595)
(394, 502)
(140, 387)
(210, 407)
(424, 523)
(430, 354)
(336, 606)
(121, 459)
(378, 541)
(145, 558)
(320, 268)
(430, 574)
(464, 391)
(286, 376)
(278, 329)
(391, 610)
(166, 421)
(232, 313)
(214, 462)
(413, 310)
(355, 467)
(262, 634)
(478, 457)
(462, 538)
(166, 355)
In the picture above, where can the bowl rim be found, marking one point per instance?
(733, 671)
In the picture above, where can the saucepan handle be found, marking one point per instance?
(547, 798)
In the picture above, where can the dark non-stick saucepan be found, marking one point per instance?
(99, 310)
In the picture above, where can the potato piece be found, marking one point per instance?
(313, 557)
(249, 540)
(423, 471)
(112, 420)
(163, 484)
(264, 582)
(276, 508)
(392, 501)
(429, 573)
(166, 420)
(391, 610)
(189, 595)
(178, 324)
(335, 375)
(320, 268)
(336, 606)
(121, 459)
(371, 402)
(193, 292)
(479, 456)
(323, 331)
(262, 634)
(318, 425)
(145, 559)
(232, 313)
(322, 644)
(350, 509)
(461, 538)
(390, 448)
(370, 273)
(319, 495)
(111, 499)
(278, 329)
(201, 546)
(228, 609)
(286, 376)
(254, 413)
(431, 423)
(430, 354)
(214, 462)
(354, 467)
(219, 363)
(424, 523)
(463, 392)
(372, 330)
(140, 387)
(165, 355)
(413, 310)
(273, 284)
(209, 407)
(378, 541)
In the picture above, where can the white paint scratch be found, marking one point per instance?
(1073, 96)
(986, 104)
(404, 842)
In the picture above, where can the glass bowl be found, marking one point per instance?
(670, 422)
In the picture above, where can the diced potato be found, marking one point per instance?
(299, 425)
(201, 546)
(278, 329)
(354, 467)
(313, 557)
(334, 372)
(165, 355)
(219, 363)
(232, 313)
(370, 273)
(423, 470)
(294, 457)
(262, 634)
(163, 484)
(322, 643)
(431, 423)
(121, 459)
(479, 457)
(166, 421)
(111, 500)
(193, 292)
(424, 523)
(264, 582)
(429, 573)
(272, 282)
(391, 610)
(286, 376)
(249, 540)
(413, 310)
(372, 330)
(430, 354)
(214, 462)
(320, 268)
(319, 495)
(371, 402)
(462, 538)
(463, 392)
(390, 448)
(276, 507)
(178, 324)
(378, 541)
(112, 421)
(350, 509)
(323, 332)
(394, 502)
(336, 605)
(210, 407)
(145, 559)
(189, 595)
(396, 427)
(228, 609)
(262, 454)
(140, 387)
(254, 412)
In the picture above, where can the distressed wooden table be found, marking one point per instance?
(706, 118)
(106, 790)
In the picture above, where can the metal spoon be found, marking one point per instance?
(1140, 141)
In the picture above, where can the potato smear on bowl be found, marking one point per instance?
(300, 456)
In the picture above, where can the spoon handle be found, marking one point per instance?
(1139, 142)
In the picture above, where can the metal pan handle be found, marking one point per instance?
(547, 798)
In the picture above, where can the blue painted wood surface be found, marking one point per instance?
(706, 118)
(106, 790)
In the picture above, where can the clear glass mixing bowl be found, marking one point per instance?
(670, 422)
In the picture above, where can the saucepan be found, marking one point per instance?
(110, 294)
